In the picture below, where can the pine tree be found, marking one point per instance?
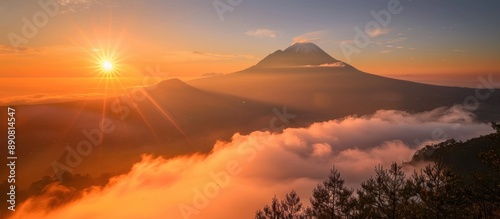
(331, 199)
(386, 194)
(436, 186)
(274, 211)
(485, 186)
(291, 206)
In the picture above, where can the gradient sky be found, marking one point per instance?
(188, 38)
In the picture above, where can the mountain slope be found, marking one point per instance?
(337, 90)
(171, 118)
(466, 157)
(175, 118)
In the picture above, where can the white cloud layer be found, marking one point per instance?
(240, 176)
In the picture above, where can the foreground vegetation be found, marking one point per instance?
(435, 191)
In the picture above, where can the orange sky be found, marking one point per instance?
(80, 61)
(187, 40)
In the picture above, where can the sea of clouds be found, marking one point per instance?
(241, 176)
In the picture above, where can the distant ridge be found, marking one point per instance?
(173, 83)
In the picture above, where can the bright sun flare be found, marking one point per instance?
(106, 63)
(107, 66)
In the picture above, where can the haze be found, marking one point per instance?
(209, 109)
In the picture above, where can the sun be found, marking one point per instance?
(106, 61)
(107, 66)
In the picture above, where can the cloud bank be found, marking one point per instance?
(40, 98)
(240, 176)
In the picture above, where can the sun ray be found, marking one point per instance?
(107, 62)
(143, 117)
(167, 116)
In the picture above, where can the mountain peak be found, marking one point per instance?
(173, 83)
(303, 48)
(298, 54)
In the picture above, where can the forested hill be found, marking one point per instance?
(436, 191)
(466, 157)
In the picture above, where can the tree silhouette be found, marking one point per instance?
(485, 186)
(438, 190)
(291, 206)
(331, 199)
(275, 211)
(385, 195)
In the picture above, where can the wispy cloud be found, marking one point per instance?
(378, 32)
(348, 42)
(262, 33)
(220, 56)
(182, 56)
(336, 65)
(6, 49)
(330, 65)
(38, 53)
(71, 6)
(46, 98)
(211, 74)
(310, 37)
(397, 40)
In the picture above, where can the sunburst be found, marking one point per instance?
(107, 66)
(106, 63)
